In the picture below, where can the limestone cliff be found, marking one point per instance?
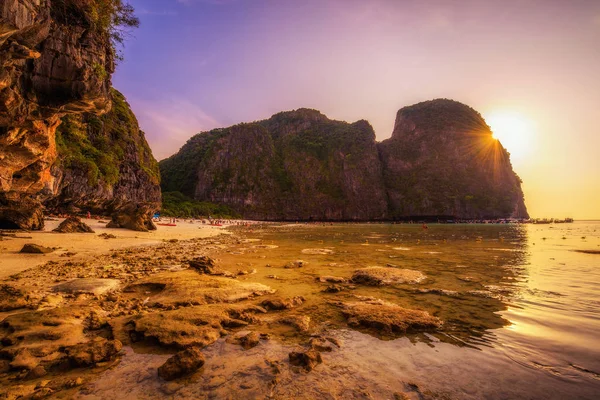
(443, 161)
(57, 57)
(50, 67)
(104, 165)
(297, 165)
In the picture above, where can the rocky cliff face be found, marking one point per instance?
(50, 67)
(105, 165)
(297, 165)
(57, 60)
(440, 162)
(443, 161)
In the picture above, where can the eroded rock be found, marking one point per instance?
(32, 248)
(190, 288)
(388, 317)
(283, 304)
(196, 326)
(98, 350)
(73, 225)
(378, 276)
(183, 363)
(300, 322)
(250, 340)
(308, 360)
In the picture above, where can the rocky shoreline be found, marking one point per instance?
(66, 322)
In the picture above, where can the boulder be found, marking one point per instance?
(308, 360)
(183, 363)
(378, 276)
(388, 317)
(300, 322)
(88, 354)
(73, 225)
(137, 217)
(20, 213)
(31, 248)
(283, 304)
(250, 340)
(203, 264)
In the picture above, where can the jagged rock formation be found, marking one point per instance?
(57, 59)
(297, 165)
(50, 67)
(105, 165)
(441, 161)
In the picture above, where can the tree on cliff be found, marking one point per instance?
(113, 18)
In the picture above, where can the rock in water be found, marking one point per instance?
(250, 340)
(306, 359)
(35, 249)
(98, 350)
(73, 225)
(183, 363)
(442, 161)
(377, 276)
(387, 317)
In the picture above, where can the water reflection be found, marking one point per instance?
(519, 310)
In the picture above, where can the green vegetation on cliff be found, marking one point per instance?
(99, 145)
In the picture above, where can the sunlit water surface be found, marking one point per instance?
(519, 305)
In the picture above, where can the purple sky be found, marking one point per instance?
(194, 65)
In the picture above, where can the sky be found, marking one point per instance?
(530, 67)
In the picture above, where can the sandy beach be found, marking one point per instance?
(89, 245)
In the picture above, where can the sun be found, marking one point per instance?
(514, 130)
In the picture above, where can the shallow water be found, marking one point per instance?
(519, 305)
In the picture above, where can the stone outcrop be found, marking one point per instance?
(49, 67)
(441, 162)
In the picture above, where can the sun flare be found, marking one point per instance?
(513, 130)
